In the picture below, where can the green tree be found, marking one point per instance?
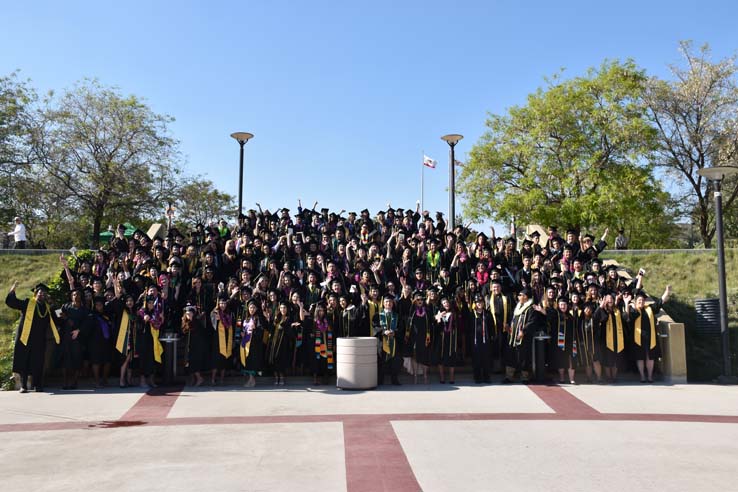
(106, 152)
(199, 201)
(16, 98)
(575, 155)
(696, 115)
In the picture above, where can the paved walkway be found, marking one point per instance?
(411, 438)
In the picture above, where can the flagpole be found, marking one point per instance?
(422, 181)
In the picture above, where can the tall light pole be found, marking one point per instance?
(715, 175)
(451, 139)
(241, 138)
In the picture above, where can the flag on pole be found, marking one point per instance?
(427, 161)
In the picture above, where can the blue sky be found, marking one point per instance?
(343, 97)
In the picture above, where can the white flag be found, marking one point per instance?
(431, 163)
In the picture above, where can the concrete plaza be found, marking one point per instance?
(410, 438)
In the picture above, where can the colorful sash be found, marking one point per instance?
(610, 335)
(245, 347)
(560, 331)
(225, 347)
(651, 322)
(120, 344)
(28, 321)
(494, 309)
(158, 347)
(388, 342)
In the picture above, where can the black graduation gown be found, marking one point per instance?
(197, 348)
(518, 354)
(71, 349)
(481, 328)
(499, 320)
(609, 358)
(279, 348)
(640, 351)
(562, 331)
(100, 340)
(449, 341)
(421, 337)
(29, 358)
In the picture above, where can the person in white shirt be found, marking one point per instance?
(19, 234)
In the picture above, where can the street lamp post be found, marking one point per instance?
(716, 175)
(451, 139)
(241, 138)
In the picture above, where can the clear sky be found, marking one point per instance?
(343, 96)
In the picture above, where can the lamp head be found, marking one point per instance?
(452, 138)
(242, 136)
(717, 173)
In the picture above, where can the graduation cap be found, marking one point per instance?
(223, 296)
(535, 234)
(390, 210)
(611, 267)
(400, 211)
(571, 231)
(439, 215)
(527, 242)
(563, 299)
(641, 293)
(97, 299)
(388, 297)
(40, 286)
(285, 211)
(482, 234)
(190, 308)
(324, 210)
(526, 292)
(589, 236)
(418, 294)
(511, 239)
(365, 211)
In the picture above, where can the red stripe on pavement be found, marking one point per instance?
(155, 404)
(359, 419)
(563, 402)
(375, 460)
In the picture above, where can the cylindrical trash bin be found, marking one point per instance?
(356, 367)
(539, 356)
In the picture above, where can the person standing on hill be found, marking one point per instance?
(19, 234)
(30, 339)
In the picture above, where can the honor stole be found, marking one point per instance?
(652, 323)
(610, 335)
(28, 321)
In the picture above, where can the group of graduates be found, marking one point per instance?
(272, 294)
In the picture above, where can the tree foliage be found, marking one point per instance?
(106, 152)
(575, 155)
(696, 115)
(200, 202)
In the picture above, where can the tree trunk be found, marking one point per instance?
(96, 230)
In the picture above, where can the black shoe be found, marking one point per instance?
(396, 382)
(451, 382)
(506, 381)
(39, 389)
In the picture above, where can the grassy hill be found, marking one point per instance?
(692, 276)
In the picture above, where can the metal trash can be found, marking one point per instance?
(356, 367)
(170, 357)
(539, 356)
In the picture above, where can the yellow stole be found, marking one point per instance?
(122, 332)
(652, 322)
(494, 313)
(28, 321)
(619, 328)
(158, 347)
(225, 349)
(373, 309)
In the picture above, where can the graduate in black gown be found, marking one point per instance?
(281, 340)
(223, 322)
(644, 340)
(501, 308)
(197, 343)
(562, 326)
(36, 320)
(419, 336)
(517, 347)
(482, 330)
(610, 333)
(390, 351)
(75, 320)
(449, 340)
